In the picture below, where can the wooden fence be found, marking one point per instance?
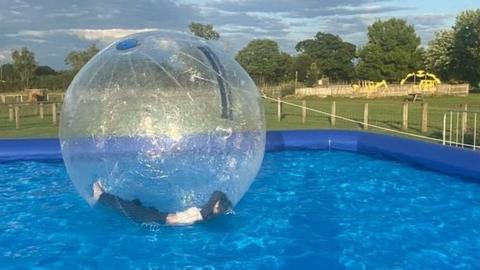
(15, 111)
(365, 118)
(23, 97)
(392, 91)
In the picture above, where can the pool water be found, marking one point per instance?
(305, 210)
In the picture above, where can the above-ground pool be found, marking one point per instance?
(307, 209)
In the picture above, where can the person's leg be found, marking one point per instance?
(133, 209)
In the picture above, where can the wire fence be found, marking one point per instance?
(461, 128)
(409, 119)
(412, 119)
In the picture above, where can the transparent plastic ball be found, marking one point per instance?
(163, 117)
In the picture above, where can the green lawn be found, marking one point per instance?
(385, 112)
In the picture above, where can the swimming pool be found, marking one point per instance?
(307, 209)
(372, 205)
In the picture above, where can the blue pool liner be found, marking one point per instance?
(446, 159)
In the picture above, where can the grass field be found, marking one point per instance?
(385, 112)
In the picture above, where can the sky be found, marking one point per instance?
(52, 29)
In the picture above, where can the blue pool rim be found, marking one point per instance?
(445, 159)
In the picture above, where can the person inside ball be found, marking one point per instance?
(216, 205)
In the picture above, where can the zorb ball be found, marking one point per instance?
(163, 117)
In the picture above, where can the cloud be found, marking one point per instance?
(307, 8)
(5, 56)
(105, 35)
(62, 26)
(101, 35)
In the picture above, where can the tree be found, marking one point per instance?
(439, 54)
(466, 51)
(313, 74)
(24, 64)
(77, 59)
(58, 81)
(44, 71)
(301, 64)
(9, 79)
(391, 52)
(332, 56)
(204, 31)
(264, 61)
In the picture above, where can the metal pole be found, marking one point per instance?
(451, 127)
(474, 131)
(444, 133)
(463, 131)
(456, 129)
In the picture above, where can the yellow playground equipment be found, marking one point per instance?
(370, 86)
(426, 81)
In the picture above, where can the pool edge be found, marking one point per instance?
(451, 160)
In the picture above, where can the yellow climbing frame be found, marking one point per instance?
(427, 81)
(370, 86)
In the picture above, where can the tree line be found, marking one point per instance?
(24, 71)
(392, 51)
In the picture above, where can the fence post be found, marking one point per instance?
(464, 118)
(405, 115)
(10, 112)
(3, 99)
(41, 110)
(279, 109)
(334, 112)
(54, 113)
(365, 116)
(424, 127)
(304, 111)
(17, 117)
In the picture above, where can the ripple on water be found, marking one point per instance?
(306, 210)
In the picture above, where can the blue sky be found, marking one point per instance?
(53, 28)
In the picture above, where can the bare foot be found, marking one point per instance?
(98, 190)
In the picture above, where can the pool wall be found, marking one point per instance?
(446, 159)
